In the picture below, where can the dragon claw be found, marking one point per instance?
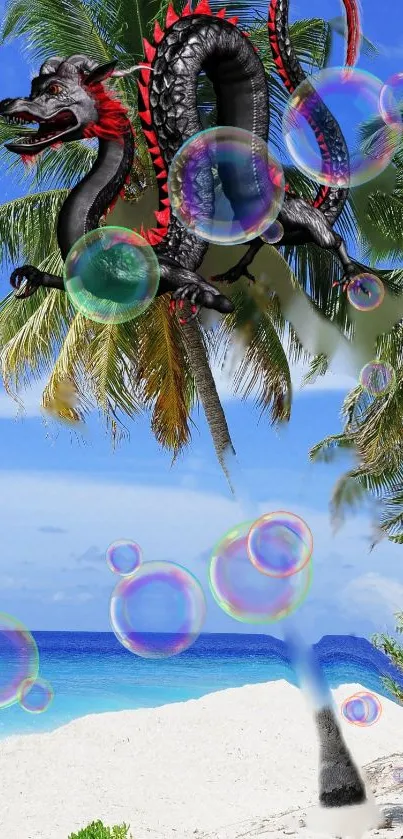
(25, 280)
(199, 294)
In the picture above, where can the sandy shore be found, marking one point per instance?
(238, 763)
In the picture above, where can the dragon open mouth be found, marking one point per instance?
(50, 130)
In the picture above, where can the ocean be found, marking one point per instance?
(91, 673)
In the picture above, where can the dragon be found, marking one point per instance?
(70, 100)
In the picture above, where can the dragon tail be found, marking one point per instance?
(330, 139)
(345, 805)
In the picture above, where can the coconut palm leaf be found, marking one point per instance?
(163, 376)
(257, 323)
(25, 232)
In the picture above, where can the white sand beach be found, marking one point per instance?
(238, 763)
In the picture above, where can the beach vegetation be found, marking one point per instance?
(394, 650)
(97, 830)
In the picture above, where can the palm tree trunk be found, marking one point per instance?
(208, 395)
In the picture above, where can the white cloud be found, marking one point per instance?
(374, 588)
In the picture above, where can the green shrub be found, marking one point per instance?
(97, 830)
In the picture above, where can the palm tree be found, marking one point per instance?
(372, 427)
(150, 363)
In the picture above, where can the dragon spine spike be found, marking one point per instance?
(143, 89)
(158, 33)
(221, 13)
(151, 137)
(145, 116)
(171, 17)
(145, 76)
(186, 11)
(234, 20)
(162, 216)
(149, 50)
(203, 8)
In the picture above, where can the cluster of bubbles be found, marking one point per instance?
(157, 610)
(111, 275)
(225, 187)
(362, 709)
(377, 378)
(260, 571)
(19, 669)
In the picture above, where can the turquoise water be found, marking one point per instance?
(92, 673)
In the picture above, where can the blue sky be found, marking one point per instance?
(64, 501)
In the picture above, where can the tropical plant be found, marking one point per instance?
(97, 830)
(394, 650)
(151, 363)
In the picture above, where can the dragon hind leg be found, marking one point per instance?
(188, 285)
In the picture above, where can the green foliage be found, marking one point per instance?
(394, 650)
(97, 830)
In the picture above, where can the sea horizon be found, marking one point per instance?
(91, 672)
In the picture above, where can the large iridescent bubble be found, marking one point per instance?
(279, 544)
(225, 186)
(245, 593)
(159, 611)
(111, 275)
(363, 708)
(19, 659)
(353, 97)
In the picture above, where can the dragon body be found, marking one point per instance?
(70, 101)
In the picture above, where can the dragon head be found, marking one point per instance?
(68, 102)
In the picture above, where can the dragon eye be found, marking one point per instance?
(53, 89)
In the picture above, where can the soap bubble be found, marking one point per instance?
(243, 592)
(19, 658)
(225, 186)
(377, 378)
(124, 557)
(279, 544)
(353, 98)
(365, 292)
(35, 695)
(391, 101)
(273, 234)
(159, 611)
(363, 708)
(111, 275)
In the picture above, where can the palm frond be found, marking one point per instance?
(164, 379)
(258, 324)
(27, 231)
(32, 350)
(327, 450)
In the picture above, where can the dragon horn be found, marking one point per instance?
(129, 70)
